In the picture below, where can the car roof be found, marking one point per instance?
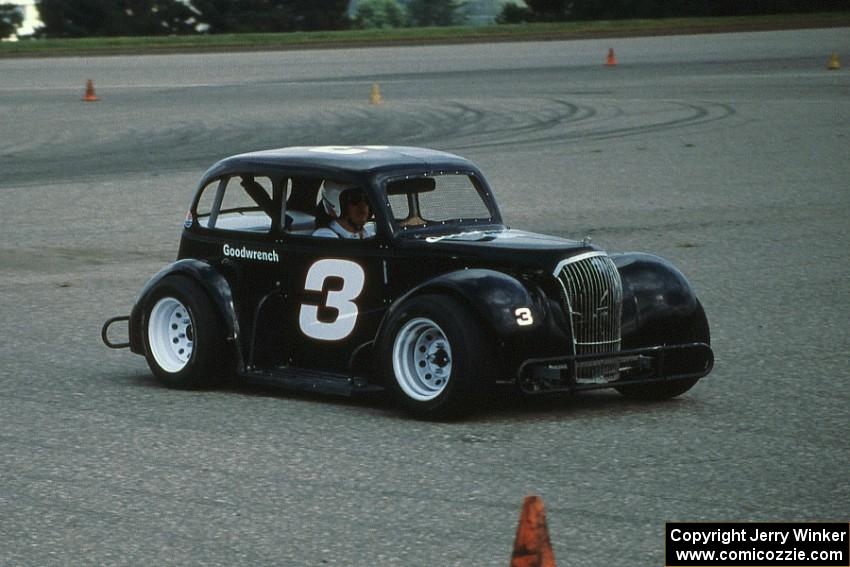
(340, 159)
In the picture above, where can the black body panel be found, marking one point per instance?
(307, 312)
(659, 305)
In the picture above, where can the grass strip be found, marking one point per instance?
(414, 36)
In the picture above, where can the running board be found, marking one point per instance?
(304, 380)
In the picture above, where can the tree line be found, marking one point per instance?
(105, 18)
(91, 18)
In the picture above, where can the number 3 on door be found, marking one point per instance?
(341, 300)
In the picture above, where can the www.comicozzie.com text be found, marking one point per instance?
(727, 536)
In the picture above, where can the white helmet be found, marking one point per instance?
(331, 196)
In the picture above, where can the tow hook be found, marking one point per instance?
(104, 332)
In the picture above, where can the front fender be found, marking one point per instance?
(494, 297)
(210, 279)
(659, 304)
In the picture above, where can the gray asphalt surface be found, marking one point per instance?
(727, 154)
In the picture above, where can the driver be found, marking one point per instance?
(349, 210)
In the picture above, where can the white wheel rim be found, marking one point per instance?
(171, 334)
(422, 359)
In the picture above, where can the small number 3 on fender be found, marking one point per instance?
(341, 300)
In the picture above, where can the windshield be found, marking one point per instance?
(438, 201)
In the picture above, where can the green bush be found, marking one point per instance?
(424, 13)
(379, 14)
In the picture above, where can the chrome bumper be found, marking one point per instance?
(635, 366)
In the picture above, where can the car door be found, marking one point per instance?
(335, 299)
(237, 217)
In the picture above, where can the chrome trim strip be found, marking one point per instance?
(602, 343)
(578, 258)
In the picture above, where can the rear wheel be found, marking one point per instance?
(434, 357)
(184, 338)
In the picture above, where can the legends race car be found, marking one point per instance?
(437, 300)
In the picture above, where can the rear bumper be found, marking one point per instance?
(636, 366)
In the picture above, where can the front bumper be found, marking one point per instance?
(636, 366)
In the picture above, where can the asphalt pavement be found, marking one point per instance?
(727, 154)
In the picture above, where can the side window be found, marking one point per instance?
(205, 202)
(242, 203)
(301, 210)
(306, 214)
(347, 211)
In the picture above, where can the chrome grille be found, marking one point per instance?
(592, 297)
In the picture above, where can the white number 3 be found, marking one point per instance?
(523, 317)
(342, 300)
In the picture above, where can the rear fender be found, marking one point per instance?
(213, 283)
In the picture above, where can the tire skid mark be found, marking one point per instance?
(696, 114)
(563, 113)
(463, 125)
(455, 125)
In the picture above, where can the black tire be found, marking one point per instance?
(184, 349)
(434, 357)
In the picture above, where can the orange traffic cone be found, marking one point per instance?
(612, 59)
(375, 97)
(532, 547)
(90, 96)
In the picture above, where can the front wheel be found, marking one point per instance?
(434, 357)
(183, 336)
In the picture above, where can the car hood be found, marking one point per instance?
(503, 247)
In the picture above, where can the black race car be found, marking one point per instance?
(430, 295)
